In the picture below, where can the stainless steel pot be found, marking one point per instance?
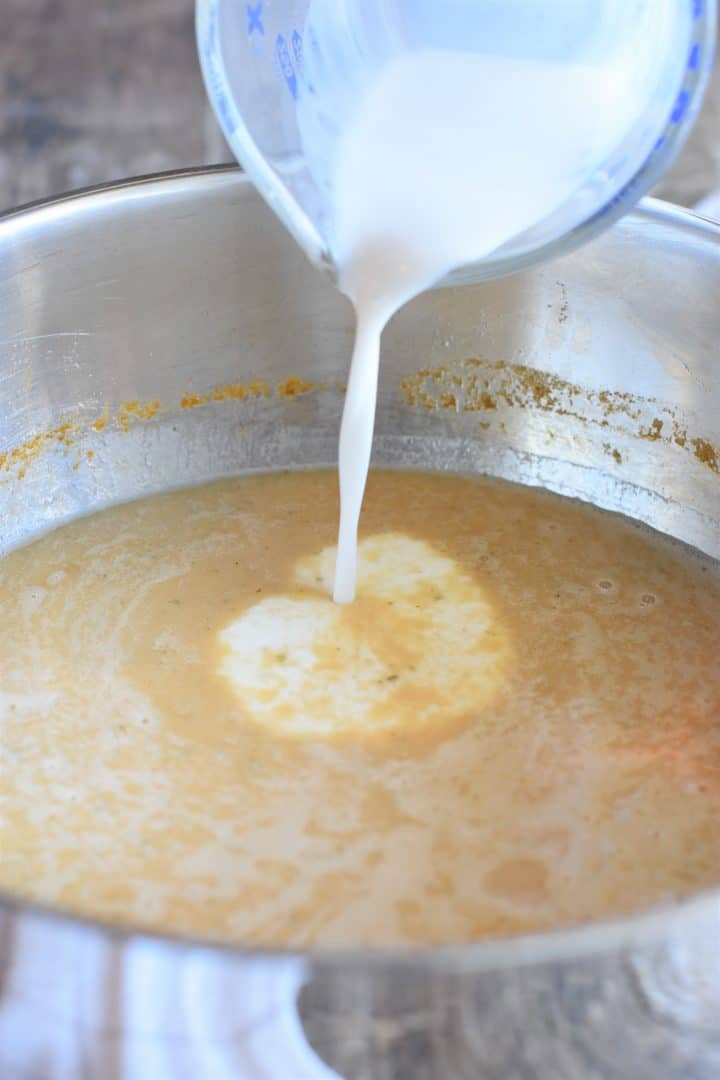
(125, 316)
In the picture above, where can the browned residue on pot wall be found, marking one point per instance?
(17, 459)
(474, 385)
(491, 388)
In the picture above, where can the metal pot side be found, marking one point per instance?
(167, 331)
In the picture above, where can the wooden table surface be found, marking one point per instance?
(96, 90)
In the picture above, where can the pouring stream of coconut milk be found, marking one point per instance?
(445, 157)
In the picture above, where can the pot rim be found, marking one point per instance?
(215, 177)
(587, 939)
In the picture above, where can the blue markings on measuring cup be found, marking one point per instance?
(286, 65)
(297, 48)
(680, 107)
(298, 53)
(254, 19)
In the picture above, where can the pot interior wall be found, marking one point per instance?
(166, 332)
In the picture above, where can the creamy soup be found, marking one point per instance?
(516, 725)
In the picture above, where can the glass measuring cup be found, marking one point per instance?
(267, 63)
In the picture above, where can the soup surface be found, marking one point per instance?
(516, 726)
